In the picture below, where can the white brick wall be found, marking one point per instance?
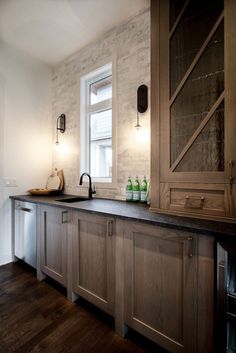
(130, 42)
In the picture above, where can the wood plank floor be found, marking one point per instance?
(36, 317)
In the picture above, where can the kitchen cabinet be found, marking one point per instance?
(157, 280)
(164, 291)
(53, 243)
(193, 107)
(93, 259)
(206, 294)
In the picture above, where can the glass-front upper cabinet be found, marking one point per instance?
(195, 86)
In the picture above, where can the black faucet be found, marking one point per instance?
(90, 190)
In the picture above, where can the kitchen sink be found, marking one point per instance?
(73, 199)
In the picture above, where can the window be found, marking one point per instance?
(96, 124)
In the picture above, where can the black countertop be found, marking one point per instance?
(135, 212)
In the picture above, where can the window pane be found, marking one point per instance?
(101, 144)
(100, 90)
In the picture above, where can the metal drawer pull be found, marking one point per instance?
(189, 205)
(25, 209)
(190, 246)
(109, 228)
(63, 220)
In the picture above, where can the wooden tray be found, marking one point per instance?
(39, 191)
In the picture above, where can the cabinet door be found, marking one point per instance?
(93, 259)
(196, 92)
(206, 294)
(53, 243)
(192, 59)
(161, 285)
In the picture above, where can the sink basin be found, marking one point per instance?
(74, 199)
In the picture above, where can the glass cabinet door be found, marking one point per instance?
(197, 138)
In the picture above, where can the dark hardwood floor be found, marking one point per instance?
(36, 317)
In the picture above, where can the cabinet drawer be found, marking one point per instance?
(196, 198)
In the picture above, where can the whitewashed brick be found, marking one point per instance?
(130, 42)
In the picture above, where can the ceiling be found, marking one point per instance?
(51, 30)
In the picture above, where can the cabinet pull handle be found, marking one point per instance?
(109, 228)
(63, 220)
(25, 209)
(231, 178)
(189, 205)
(190, 246)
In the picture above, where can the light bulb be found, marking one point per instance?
(141, 135)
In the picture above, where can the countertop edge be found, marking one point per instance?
(188, 224)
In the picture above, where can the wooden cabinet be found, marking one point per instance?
(93, 259)
(193, 107)
(206, 295)
(53, 243)
(156, 280)
(161, 285)
(164, 294)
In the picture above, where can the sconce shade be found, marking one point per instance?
(142, 99)
(61, 123)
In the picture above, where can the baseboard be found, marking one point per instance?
(5, 259)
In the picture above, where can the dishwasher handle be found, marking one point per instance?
(25, 209)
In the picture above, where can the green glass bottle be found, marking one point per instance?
(129, 190)
(136, 190)
(143, 190)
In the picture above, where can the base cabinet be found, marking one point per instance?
(53, 243)
(93, 259)
(161, 287)
(206, 294)
(158, 281)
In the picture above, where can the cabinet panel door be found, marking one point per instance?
(160, 286)
(54, 243)
(206, 294)
(94, 259)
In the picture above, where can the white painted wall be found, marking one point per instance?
(25, 131)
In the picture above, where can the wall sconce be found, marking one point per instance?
(142, 102)
(61, 125)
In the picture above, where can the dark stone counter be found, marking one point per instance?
(135, 212)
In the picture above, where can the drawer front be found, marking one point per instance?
(199, 199)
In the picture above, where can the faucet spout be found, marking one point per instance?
(91, 190)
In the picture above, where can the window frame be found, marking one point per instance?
(94, 74)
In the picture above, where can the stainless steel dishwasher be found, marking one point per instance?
(25, 232)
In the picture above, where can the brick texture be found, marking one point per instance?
(130, 43)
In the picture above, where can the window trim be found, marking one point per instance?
(93, 74)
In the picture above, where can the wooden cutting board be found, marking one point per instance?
(53, 182)
(61, 177)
